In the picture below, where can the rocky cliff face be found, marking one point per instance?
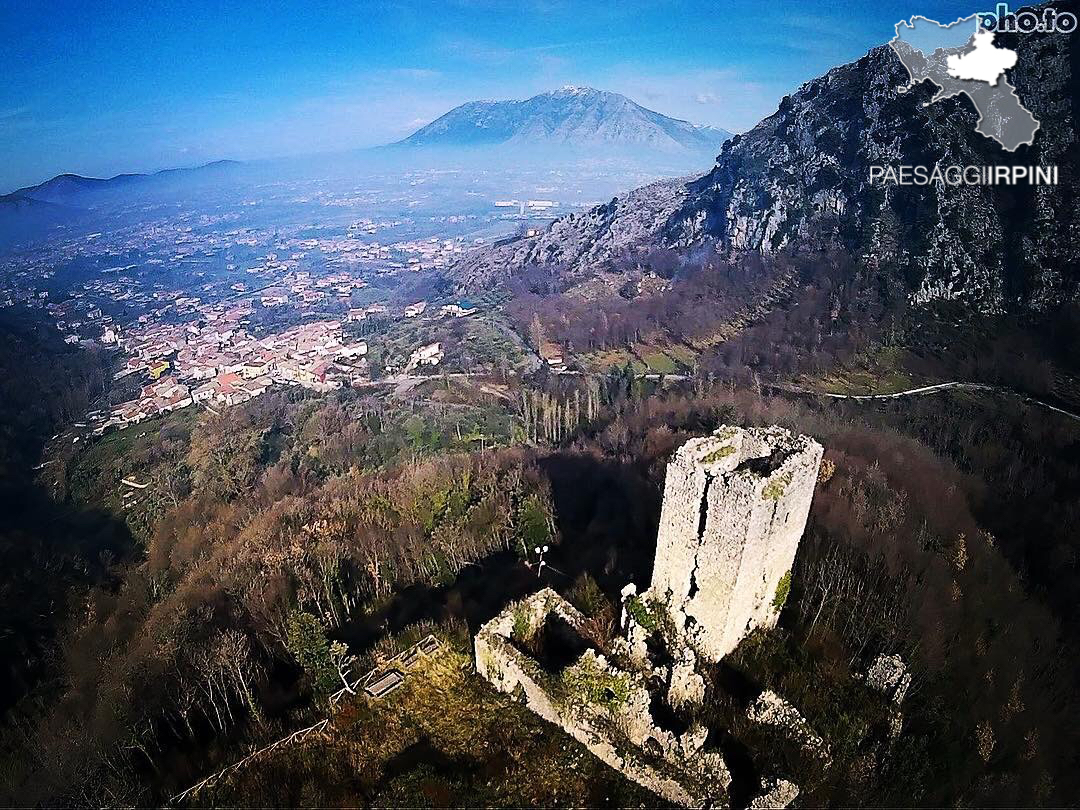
(574, 244)
(801, 180)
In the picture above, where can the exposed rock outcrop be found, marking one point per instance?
(575, 244)
(777, 793)
(801, 178)
(772, 710)
(889, 675)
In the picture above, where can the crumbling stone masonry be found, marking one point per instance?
(776, 793)
(769, 709)
(605, 708)
(735, 506)
(889, 675)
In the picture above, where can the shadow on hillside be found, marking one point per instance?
(606, 514)
(49, 551)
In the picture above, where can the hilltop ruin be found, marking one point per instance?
(735, 506)
(604, 707)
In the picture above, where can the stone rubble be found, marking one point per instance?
(777, 793)
(735, 507)
(889, 675)
(772, 710)
(618, 727)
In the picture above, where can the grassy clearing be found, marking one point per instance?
(444, 738)
(644, 359)
(95, 469)
(486, 344)
(683, 355)
(659, 362)
(882, 371)
(604, 361)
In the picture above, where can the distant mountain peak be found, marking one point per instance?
(573, 115)
(575, 90)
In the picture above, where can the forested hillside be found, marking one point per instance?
(293, 522)
(46, 549)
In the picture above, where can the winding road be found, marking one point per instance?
(403, 382)
(930, 389)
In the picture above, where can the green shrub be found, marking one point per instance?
(783, 588)
(590, 683)
(643, 614)
(533, 524)
(587, 596)
(774, 490)
(307, 642)
(718, 454)
(523, 629)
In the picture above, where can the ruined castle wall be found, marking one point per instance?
(681, 774)
(735, 507)
(766, 518)
(679, 518)
(729, 547)
(786, 526)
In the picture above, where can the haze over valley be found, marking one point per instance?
(708, 440)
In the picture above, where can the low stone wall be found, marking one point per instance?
(604, 708)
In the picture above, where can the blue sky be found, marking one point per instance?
(101, 88)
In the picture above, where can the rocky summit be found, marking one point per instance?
(575, 116)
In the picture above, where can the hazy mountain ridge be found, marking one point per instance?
(64, 186)
(800, 180)
(69, 201)
(570, 116)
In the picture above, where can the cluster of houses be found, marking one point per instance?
(221, 364)
(161, 396)
(409, 254)
(212, 359)
(456, 309)
(190, 344)
(429, 253)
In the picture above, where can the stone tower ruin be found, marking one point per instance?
(735, 506)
